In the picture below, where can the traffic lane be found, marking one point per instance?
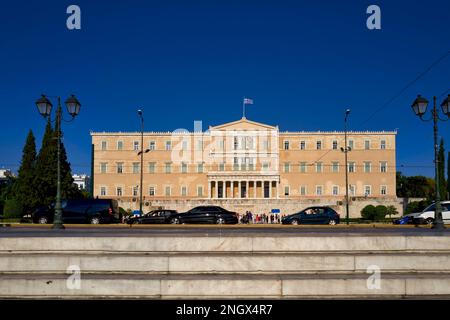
(214, 230)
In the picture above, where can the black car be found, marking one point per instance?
(206, 214)
(92, 211)
(313, 215)
(153, 217)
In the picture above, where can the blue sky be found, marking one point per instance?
(303, 63)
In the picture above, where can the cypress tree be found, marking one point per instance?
(441, 169)
(24, 187)
(46, 166)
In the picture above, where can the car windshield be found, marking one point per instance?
(429, 208)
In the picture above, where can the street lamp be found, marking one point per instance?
(73, 108)
(419, 107)
(346, 149)
(141, 153)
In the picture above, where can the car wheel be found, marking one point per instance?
(220, 220)
(429, 221)
(43, 220)
(295, 222)
(332, 222)
(95, 220)
(174, 221)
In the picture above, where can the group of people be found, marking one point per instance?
(263, 218)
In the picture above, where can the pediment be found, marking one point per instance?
(243, 124)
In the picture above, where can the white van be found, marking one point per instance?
(427, 215)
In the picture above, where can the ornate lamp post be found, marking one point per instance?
(73, 108)
(346, 150)
(419, 107)
(141, 153)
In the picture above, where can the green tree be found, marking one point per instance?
(46, 170)
(24, 189)
(368, 212)
(441, 170)
(380, 212)
(391, 211)
(13, 209)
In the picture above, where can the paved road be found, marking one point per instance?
(173, 231)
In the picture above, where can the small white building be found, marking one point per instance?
(82, 181)
(4, 174)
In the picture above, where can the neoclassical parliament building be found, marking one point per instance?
(242, 164)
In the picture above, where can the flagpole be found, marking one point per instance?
(243, 108)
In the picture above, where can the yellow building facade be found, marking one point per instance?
(242, 160)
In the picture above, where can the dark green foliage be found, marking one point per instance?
(415, 186)
(368, 212)
(46, 170)
(23, 189)
(13, 209)
(371, 212)
(448, 176)
(417, 206)
(391, 211)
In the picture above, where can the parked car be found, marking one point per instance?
(313, 215)
(153, 217)
(206, 214)
(427, 215)
(92, 211)
(403, 220)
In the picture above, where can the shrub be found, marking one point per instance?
(368, 212)
(391, 211)
(13, 209)
(380, 212)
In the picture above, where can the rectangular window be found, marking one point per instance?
(135, 191)
(383, 190)
(265, 144)
(168, 191)
(266, 166)
(319, 145)
(119, 145)
(352, 190)
(221, 144)
(184, 145)
(136, 167)
(302, 145)
(303, 190)
(286, 145)
(319, 167)
(103, 191)
(236, 164)
(335, 144)
(335, 167)
(152, 145)
(251, 165)
(120, 167)
(151, 167)
(367, 167)
(367, 190)
(302, 167)
(383, 166)
(351, 144)
(151, 191)
(367, 144)
(168, 167)
(184, 191)
(287, 167)
(286, 190)
(104, 145)
(136, 145)
(119, 191)
(168, 145)
(103, 167)
(351, 167)
(199, 145)
(200, 191)
(184, 167)
(383, 144)
(335, 190)
(319, 190)
(236, 143)
(200, 168)
(221, 166)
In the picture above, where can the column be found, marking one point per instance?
(232, 189)
(209, 189)
(270, 189)
(240, 189)
(247, 188)
(224, 188)
(276, 187)
(217, 189)
(255, 184)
